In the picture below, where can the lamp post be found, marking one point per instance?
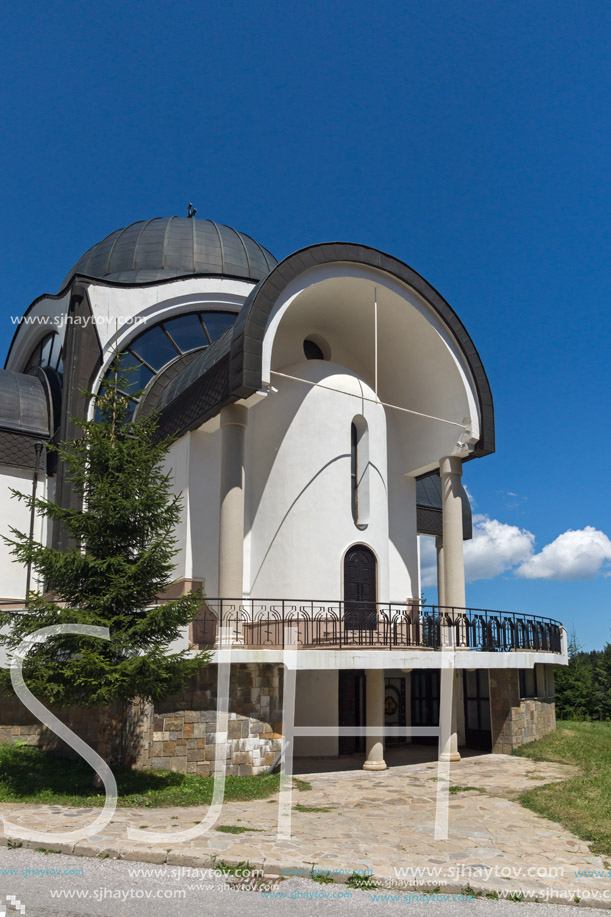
(38, 446)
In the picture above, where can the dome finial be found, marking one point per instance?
(191, 210)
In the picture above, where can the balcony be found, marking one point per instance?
(281, 623)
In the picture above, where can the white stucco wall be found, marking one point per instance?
(403, 557)
(123, 313)
(177, 463)
(204, 490)
(298, 513)
(194, 462)
(16, 514)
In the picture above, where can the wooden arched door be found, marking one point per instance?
(360, 588)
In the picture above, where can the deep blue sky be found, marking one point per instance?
(470, 139)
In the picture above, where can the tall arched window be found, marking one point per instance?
(359, 471)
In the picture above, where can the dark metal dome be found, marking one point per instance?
(174, 247)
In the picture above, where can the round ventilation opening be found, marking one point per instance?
(316, 348)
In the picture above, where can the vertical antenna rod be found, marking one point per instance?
(375, 338)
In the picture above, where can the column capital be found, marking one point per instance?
(234, 415)
(451, 464)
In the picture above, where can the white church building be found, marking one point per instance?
(325, 409)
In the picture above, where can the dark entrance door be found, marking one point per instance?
(360, 589)
(351, 709)
(425, 702)
(478, 733)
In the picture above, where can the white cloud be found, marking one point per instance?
(574, 555)
(498, 548)
(428, 562)
(495, 548)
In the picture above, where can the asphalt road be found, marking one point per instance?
(50, 885)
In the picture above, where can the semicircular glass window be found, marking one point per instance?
(154, 348)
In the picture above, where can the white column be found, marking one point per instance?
(231, 520)
(441, 592)
(447, 632)
(374, 745)
(450, 470)
(448, 716)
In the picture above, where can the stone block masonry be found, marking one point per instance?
(128, 728)
(183, 735)
(516, 720)
(179, 733)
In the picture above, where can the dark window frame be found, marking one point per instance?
(55, 354)
(540, 683)
(132, 351)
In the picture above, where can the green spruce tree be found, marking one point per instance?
(121, 560)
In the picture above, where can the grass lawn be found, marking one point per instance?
(28, 774)
(582, 804)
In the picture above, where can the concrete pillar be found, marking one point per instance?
(447, 633)
(374, 745)
(448, 716)
(231, 520)
(441, 592)
(450, 470)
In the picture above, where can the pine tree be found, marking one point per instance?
(120, 561)
(575, 685)
(603, 682)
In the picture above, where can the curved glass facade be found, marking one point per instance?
(154, 348)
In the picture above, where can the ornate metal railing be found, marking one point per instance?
(276, 623)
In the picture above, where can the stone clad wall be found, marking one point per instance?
(184, 734)
(516, 721)
(179, 733)
(129, 726)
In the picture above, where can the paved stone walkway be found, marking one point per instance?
(377, 821)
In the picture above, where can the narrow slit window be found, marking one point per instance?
(353, 471)
(359, 471)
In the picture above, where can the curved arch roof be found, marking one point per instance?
(23, 404)
(165, 247)
(237, 370)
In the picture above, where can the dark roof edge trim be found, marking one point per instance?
(101, 282)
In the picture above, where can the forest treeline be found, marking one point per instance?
(583, 688)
